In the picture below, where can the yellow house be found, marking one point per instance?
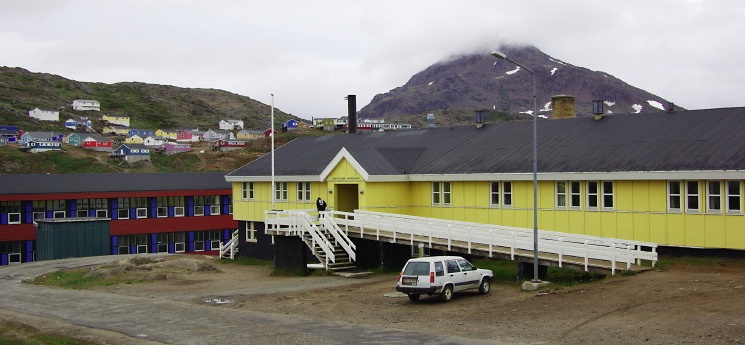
(168, 133)
(116, 120)
(247, 134)
(135, 139)
(675, 179)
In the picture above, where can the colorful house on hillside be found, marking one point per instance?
(97, 143)
(230, 125)
(228, 145)
(36, 146)
(78, 124)
(134, 139)
(170, 133)
(132, 153)
(248, 134)
(10, 136)
(171, 148)
(40, 137)
(44, 114)
(73, 139)
(141, 132)
(116, 120)
(676, 179)
(142, 213)
(217, 134)
(116, 130)
(154, 141)
(86, 104)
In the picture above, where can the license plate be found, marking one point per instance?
(410, 281)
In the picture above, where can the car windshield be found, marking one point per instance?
(417, 269)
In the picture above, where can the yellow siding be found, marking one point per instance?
(639, 211)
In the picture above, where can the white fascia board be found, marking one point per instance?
(343, 153)
(291, 178)
(608, 176)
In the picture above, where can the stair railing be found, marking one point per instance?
(339, 236)
(231, 246)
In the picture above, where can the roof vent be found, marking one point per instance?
(670, 107)
(478, 117)
(597, 108)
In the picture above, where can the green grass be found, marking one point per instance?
(505, 272)
(704, 261)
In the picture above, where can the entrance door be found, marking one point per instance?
(347, 197)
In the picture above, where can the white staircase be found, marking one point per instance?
(333, 249)
(230, 249)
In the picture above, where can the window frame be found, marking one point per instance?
(730, 196)
(303, 192)
(14, 214)
(250, 229)
(281, 191)
(605, 194)
(495, 195)
(575, 195)
(677, 196)
(692, 196)
(714, 196)
(560, 191)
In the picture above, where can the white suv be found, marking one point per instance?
(441, 275)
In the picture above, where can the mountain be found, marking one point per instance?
(150, 106)
(463, 84)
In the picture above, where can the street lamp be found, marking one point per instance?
(500, 55)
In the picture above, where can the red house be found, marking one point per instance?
(97, 142)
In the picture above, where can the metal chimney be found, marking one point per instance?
(352, 113)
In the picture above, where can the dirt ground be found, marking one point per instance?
(678, 304)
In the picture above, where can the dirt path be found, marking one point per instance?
(678, 305)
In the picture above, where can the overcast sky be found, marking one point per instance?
(311, 54)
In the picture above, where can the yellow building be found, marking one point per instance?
(675, 179)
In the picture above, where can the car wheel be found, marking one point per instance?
(447, 293)
(414, 297)
(485, 286)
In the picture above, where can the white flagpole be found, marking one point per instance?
(271, 133)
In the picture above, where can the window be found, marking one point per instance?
(280, 191)
(506, 194)
(39, 215)
(592, 195)
(180, 247)
(714, 197)
(215, 210)
(692, 196)
(82, 213)
(123, 213)
(561, 194)
(59, 214)
(734, 197)
(198, 246)
(162, 212)
(179, 211)
(199, 210)
(303, 191)
(250, 232)
(495, 196)
(673, 196)
(102, 213)
(141, 213)
(575, 194)
(441, 193)
(14, 218)
(608, 195)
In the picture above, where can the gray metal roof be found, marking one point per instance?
(712, 139)
(94, 182)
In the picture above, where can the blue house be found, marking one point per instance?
(9, 135)
(141, 132)
(39, 137)
(78, 124)
(132, 152)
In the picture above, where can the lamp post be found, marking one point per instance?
(500, 55)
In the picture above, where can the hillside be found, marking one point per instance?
(150, 106)
(459, 86)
